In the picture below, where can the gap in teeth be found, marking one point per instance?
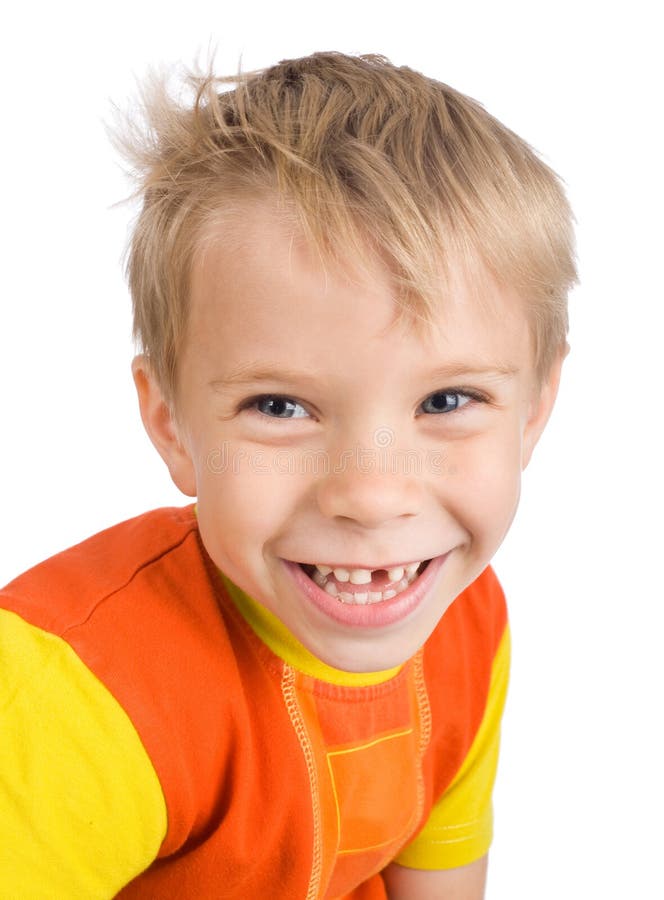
(399, 578)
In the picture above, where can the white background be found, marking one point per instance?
(579, 796)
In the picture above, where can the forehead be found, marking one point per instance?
(256, 281)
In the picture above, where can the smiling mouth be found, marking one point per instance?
(364, 586)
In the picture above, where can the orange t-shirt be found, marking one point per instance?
(167, 739)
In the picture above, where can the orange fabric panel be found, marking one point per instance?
(375, 787)
(356, 836)
(369, 819)
(384, 707)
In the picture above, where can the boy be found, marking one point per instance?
(349, 285)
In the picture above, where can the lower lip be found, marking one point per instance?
(370, 615)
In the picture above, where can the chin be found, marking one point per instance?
(364, 658)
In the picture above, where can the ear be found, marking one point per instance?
(540, 408)
(161, 427)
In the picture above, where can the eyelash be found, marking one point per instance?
(253, 403)
(468, 395)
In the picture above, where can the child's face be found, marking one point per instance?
(316, 431)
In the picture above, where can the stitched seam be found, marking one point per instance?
(424, 707)
(424, 711)
(471, 823)
(297, 721)
(460, 840)
(336, 799)
(346, 752)
(373, 743)
(129, 580)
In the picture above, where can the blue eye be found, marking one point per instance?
(278, 407)
(445, 402)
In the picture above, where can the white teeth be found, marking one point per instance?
(400, 578)
(364, 576)
(360, 576)
(362, 598)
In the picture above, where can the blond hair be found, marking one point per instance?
(369, 158)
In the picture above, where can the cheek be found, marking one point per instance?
(242, 502)
(484, 486)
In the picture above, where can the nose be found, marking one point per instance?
(370, 490)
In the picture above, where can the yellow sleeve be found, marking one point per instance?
(460, 827)
(81, 809)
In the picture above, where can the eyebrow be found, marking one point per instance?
(253, 375)
(465, 369)
(249, 374)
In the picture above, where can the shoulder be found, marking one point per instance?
(470, 632)
(139, 603)
(141, 608)
(458, 665)
(465, 666)
(65, 590)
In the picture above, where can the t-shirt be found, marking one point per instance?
(164, 736)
